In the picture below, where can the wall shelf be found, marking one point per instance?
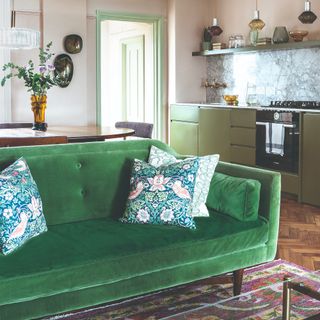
(270, 47)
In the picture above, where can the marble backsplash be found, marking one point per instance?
(278, 75)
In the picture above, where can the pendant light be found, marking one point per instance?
(256, 23)
(215, 29)
(307, 16)
(18, 38)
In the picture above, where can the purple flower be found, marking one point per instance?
(42, 69)
(50, 67)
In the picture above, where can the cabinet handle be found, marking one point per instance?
(285, 125)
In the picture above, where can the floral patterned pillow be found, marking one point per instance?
(207, 166)
(21, 216)
(162, 195)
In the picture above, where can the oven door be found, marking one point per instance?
(289, 161)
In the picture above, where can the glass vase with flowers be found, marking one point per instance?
(37, 81)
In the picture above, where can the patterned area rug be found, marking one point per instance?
(205, 300)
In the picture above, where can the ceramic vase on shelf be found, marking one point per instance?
(280, 35)
(38, 106)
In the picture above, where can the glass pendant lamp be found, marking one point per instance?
(307, 16)
(256, 23)
(215, 29)
(18, 38)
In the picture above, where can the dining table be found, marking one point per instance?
(72, 133)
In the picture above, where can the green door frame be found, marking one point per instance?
(158, 44)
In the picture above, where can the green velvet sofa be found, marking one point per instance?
(88, 257)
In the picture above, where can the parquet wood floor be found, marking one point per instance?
(299, 234)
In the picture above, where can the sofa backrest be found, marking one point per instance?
(82, 181)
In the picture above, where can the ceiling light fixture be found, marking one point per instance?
(307, 16)
(18, 38)
(256, 23)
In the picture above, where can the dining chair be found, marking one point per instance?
(142, 129)
(29, 141)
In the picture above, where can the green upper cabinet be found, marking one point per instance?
(310, 159)
(214, 132)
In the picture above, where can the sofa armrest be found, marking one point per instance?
(270, 196)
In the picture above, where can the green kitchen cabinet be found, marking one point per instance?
(185, 137)
(214, 132)
(310, 159)
(184, 129)
(243, 137)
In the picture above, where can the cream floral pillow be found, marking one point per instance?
(207, 166)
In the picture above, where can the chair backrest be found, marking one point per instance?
(29, 141)
(13, 125)
(142, 129)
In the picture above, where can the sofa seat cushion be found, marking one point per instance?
(90, 253)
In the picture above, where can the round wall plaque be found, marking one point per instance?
(73, 43)
(63, 69)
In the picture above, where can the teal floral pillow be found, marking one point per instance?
(207, 166)
(21, 216)
(162, 195)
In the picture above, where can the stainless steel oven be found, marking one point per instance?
(277, 140)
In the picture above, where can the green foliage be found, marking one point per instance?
(38, 81)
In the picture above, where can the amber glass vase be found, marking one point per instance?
(38, 106)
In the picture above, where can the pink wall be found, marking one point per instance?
(187, 19)
(234, 16)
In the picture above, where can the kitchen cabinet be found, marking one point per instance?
(214, 132)
(310, 159)
(184, 129)
(243, 137)
(196, 130)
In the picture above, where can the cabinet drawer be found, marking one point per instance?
(243, 136)
(243, 155)
(243, 118)
(184, 113)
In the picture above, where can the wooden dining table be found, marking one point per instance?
(73, 133)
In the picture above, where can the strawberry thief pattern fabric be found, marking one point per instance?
(21, 215)
(162, 195)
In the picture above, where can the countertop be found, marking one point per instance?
(243, 107)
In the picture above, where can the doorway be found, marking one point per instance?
(129, 76)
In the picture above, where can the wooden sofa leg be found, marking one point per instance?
(237, 281)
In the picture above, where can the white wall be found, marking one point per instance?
(187, 21)
(67, 105)
(150, 7)
(5, 93)
(20, 99)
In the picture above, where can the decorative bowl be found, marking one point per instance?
(298, 35)
(231, 100)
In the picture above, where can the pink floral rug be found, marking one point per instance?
(204, 300)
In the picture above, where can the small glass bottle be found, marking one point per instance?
(231, 42)
(251, 97)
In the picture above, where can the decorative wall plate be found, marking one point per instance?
(73, 43)
(63, 69)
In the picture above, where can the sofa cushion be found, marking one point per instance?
(237, 197)
(161, 195)
(21, 216)
(91, 253)
(207, 165)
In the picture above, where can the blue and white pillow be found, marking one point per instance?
(21, 215)
(162, 195)
(207, 166)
